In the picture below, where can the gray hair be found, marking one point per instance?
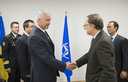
(41, 13)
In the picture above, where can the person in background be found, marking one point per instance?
(121, 51)
(23, 55)
(9, 53)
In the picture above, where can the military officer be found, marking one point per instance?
(9, 53)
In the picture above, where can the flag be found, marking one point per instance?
(66, 57)
(3, 73)
(2, 33)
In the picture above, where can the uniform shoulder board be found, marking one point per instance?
(8, 35)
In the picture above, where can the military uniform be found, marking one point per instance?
(10, 57)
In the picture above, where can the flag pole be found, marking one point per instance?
(0, 13)
(65, 13)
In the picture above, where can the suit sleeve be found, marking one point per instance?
(40, 50)
(124, 48)
(22, 57)
(105, 55)
(5, 52)
(83, 60)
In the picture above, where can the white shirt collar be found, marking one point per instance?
(26, 33)
(40, 28)
(114, 36)
(14, 34)
(96, 34)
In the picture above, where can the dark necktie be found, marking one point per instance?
(46, 34)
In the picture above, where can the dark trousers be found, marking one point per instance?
(14, 76)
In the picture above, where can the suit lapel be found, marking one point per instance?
(96, 40)
(116, 39)
(44, 36)
(48, 38)
(13, 37)
(25, 36)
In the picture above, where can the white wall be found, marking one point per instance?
(21, 10)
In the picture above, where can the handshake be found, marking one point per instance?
(71, 66)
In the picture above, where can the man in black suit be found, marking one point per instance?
(44, 65)
(100, 57)
(23, 55)
(9, 53)
(121, 51)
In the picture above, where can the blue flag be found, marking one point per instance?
(66, 57)
(2, 33)
(3, 72)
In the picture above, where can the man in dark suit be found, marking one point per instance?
(9, 53)
(44, 65)
(100, 57)
(121, 51)
(23, 55)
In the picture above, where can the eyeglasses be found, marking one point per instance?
(31, 26)
(85, 25)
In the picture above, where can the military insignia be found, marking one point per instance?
(13, 37)
(13, 43)
(3, 43)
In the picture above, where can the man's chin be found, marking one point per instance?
(47, 27)
(16, 32)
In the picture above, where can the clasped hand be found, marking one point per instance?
(71, 66)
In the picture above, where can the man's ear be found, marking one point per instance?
(116, 28)
(93, 26)
(25, 28)
(38, 20)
